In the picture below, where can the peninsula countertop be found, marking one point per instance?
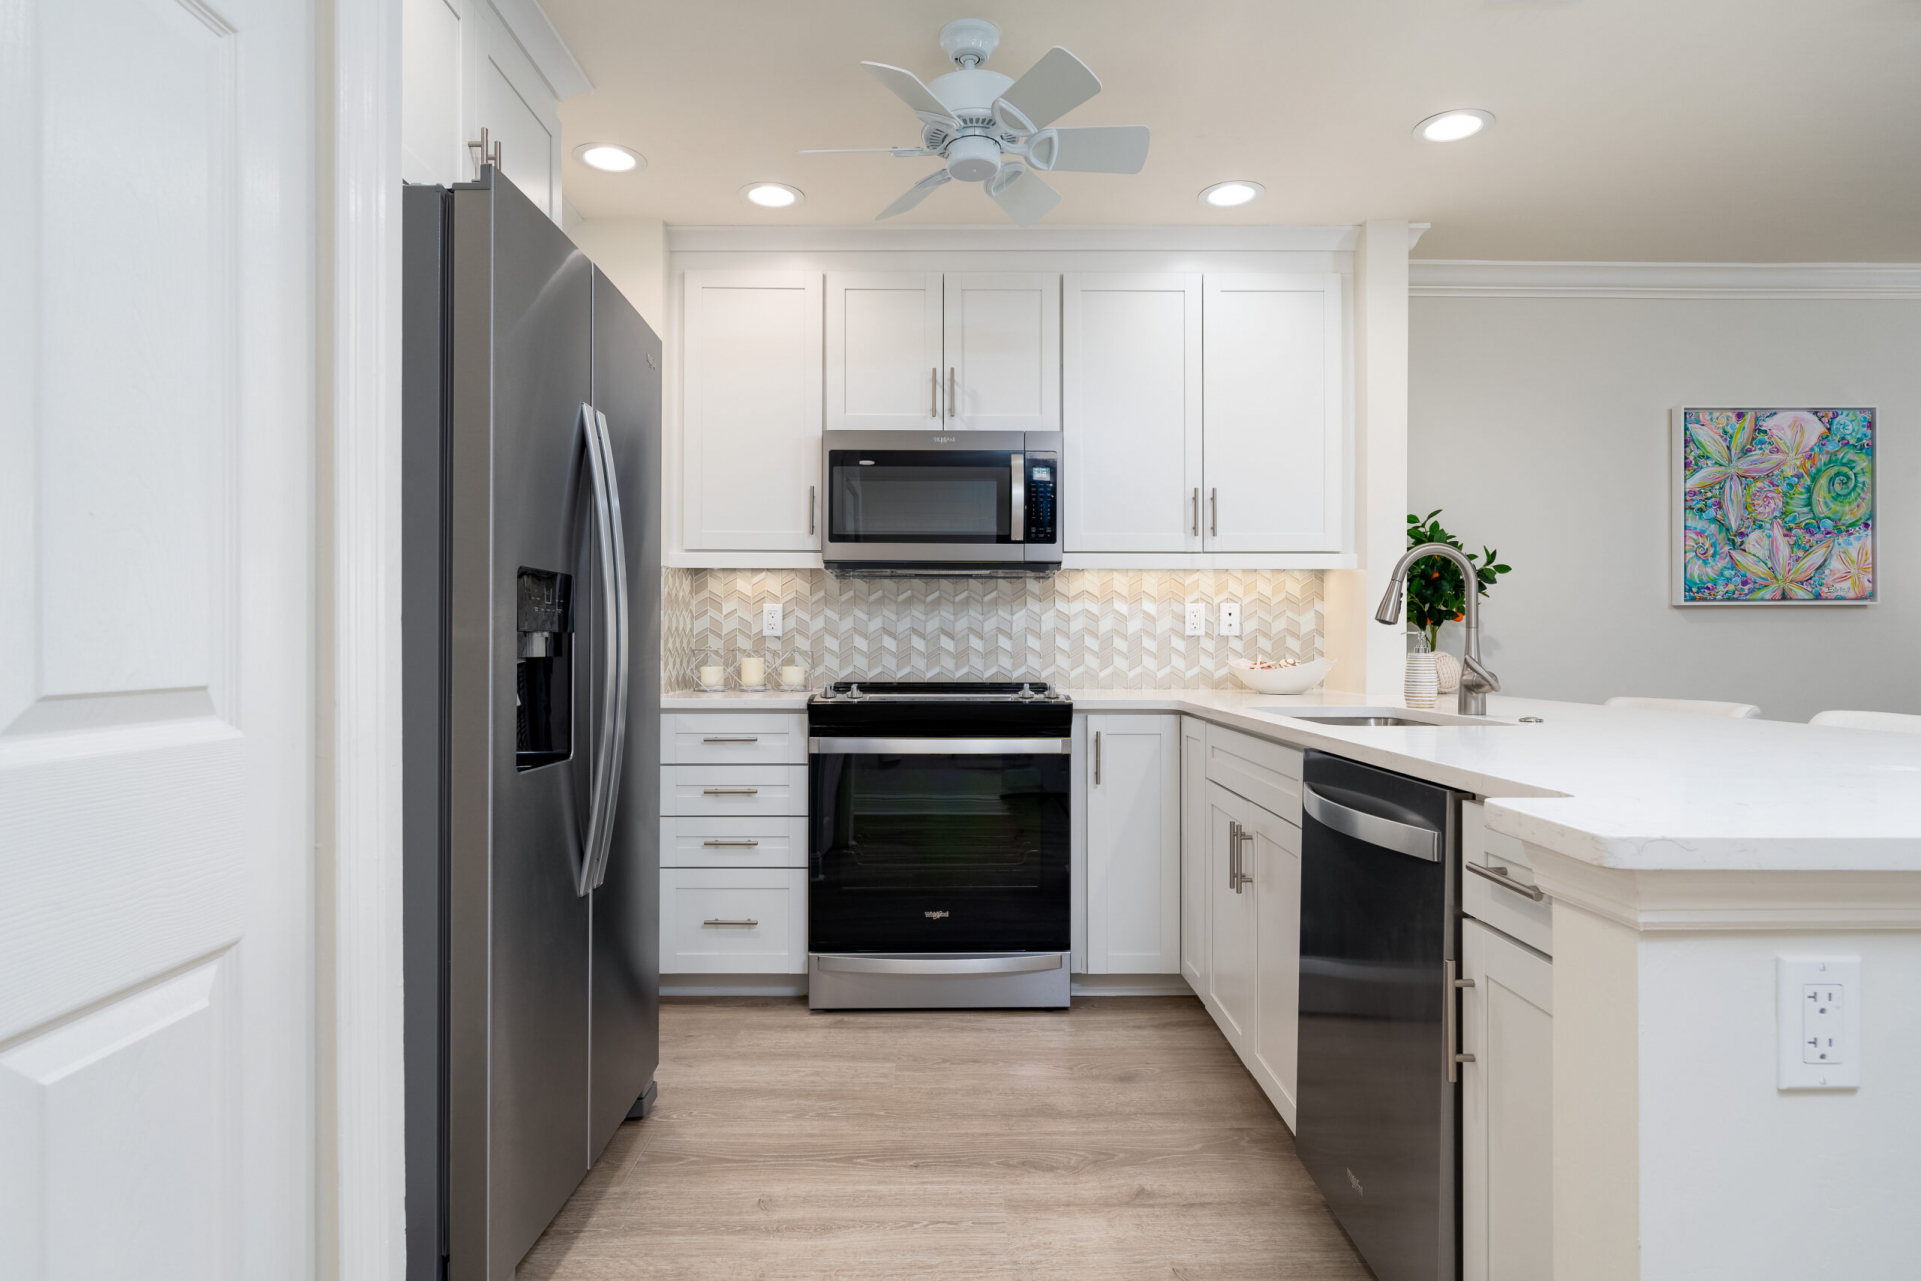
(1609, 786)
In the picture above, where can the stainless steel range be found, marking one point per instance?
(938, 845)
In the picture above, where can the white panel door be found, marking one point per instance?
(752, 396)
(1507, 1108)
(1194, 852)
(1274, 861)
(1230, 939)
(1134, 845)
(883, 350)
(156, 833)
(1131, 411)
(1274, 462)
(1003, 351)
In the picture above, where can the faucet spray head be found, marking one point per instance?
(1390, 610)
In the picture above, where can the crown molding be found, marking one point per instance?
(920, 239)
(1470, 278)
(531, 26)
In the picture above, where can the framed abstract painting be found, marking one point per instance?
(1774, 506)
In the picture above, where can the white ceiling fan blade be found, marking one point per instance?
(848, 151)
(1020, 191)
(1052, 87)
(914, 195)
(907, 87)
(1095, 149)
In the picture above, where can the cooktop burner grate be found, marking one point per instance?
(991, 691)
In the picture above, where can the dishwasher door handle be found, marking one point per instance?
(1388, 833)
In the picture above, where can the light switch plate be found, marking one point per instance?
(770, 620)
(1230, 618)
(1196, 618)
(1818, 1021)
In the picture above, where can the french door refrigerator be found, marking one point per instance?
(531, 473)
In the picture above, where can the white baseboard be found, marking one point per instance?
(1131, 985)
(796, 985)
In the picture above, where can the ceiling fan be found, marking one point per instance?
(998, 131)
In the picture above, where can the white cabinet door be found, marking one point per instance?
(1133, 845)
(1230, 941)
(1274, 861)
(1507, 1115)
(1194, 852)
(751, 423)
(883, 350)
(1274, 460)
(157, 661)
(1131, 411)
(1003, 351)
(733, 920)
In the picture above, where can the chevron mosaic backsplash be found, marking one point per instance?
(1081, 629)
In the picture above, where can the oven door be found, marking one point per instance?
(915, 496)
(938, 845)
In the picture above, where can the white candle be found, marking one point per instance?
(753, 671)
(710, 677)
(791, 677)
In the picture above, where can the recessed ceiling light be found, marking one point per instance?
(771, 195)
(1225, 195)
(1452, 126)
(610, 157)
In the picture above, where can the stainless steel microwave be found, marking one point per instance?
(941, 503)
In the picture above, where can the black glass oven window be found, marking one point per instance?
(898, 496)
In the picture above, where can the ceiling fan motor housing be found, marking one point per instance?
(973, 159)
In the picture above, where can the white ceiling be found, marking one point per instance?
(1688, 130)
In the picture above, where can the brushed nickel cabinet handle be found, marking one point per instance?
(730, 791)
(729, 844)
(1453, 1017)
(1097, 758)
(813, 511)
(1233, 855)
(1214, 513)
(1505, 879)
(1244, 839)
(1197, 511)
(745, 923)
(933, 392)
(950, 391)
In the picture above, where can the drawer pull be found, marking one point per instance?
(1499, 875)
(746, 924)
(731, 738)
(730, 791)
(727, 844)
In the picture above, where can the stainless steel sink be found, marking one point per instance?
(1377, 717)
(1363, 720)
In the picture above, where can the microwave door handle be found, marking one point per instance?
(1017, 533)
(622, 664)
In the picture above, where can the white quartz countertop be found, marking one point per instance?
(1609, 786)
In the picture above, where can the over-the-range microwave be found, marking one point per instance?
(914, 503)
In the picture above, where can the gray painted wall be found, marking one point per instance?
(1540, 425)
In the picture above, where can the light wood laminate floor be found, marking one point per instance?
(1122, 1139)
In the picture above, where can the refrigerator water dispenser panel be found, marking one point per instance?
(543, 684)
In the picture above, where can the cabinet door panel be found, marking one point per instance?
(1507, 1168)
(883, 350)
(1003, 351)
(1131, 386)
(1133, 845)
(1275, 859)
(1274, 460)
(1230, 977)
(1194, 880)
(751, 445)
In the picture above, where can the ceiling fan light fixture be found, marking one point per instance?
(1238, 191)
(610, 157)
(771, 195)
(1453, 126)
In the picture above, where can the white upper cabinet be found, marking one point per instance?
(1002, 347)
(752, 411)
(884, 360)
(1131, 378)
(1274, 466)
(1133, 844)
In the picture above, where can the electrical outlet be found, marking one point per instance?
(770, 620)
(1196, 618)
(1818, 1004)
(1230, 618)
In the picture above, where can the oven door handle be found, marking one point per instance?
(1026, 963)
(940, 746)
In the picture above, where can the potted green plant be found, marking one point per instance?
(1437, 590)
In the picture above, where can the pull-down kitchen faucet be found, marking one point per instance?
(1476, 680)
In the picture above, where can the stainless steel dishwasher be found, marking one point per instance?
(1379, 1028)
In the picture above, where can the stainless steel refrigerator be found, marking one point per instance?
(531, 625)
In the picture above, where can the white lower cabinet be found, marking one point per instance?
(1507, 1174)
(1194, 880)
(1133, 844)
(1229, 994)
(732, 920)
(1273, 859)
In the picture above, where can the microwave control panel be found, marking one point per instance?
(1043, 479)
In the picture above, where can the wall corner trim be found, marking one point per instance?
(550, 55)
(1475, 278)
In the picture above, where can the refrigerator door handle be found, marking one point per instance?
(605, 763)
(618, 659)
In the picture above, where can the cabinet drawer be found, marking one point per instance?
(710, 790)
(748, 841)
(733, 738)
(1266, 773)
(1509, 911)
(728, 920)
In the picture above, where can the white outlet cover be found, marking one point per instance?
(770, 620)
(1818, 1022)
(1230, 618)
(1196, 618)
